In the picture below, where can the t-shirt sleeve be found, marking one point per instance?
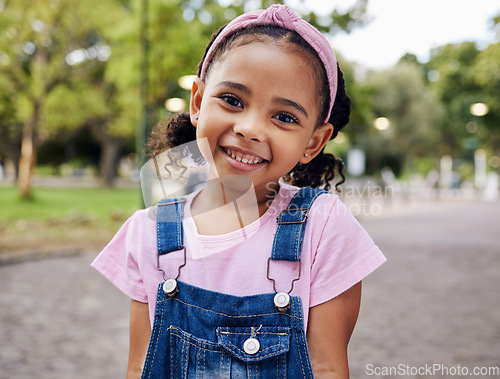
(118, 261)
(345, 254)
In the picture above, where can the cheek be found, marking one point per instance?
(211, 121)
(290, 149)
(206, 144)
(287, 154)
(203, 129)
(203, 140)
(211, 130)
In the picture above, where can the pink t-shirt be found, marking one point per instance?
(336, 254)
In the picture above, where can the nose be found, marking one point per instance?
(251, 127)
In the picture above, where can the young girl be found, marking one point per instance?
(278, 295)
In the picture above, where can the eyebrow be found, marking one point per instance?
(234, 85)
(279, 100)
(291, 103)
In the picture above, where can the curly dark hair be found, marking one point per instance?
(319, 171)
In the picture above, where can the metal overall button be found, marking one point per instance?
(170, 287)
(251, 346)
(282, 301)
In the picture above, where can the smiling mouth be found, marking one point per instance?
(243, 157)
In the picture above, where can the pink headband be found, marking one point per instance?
(281, 15)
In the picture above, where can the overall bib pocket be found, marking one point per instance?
(239, 352)
(256, 343)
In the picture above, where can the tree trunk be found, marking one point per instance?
(28, 155)
(110, 151)
(110, 154)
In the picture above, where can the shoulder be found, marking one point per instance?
(323, 206)
(142, 219)
(287, 191)
(326, 204)
(140, 226)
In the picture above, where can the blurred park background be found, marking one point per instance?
(82, 84)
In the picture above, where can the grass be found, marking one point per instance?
(81, 218)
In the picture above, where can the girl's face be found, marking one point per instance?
(258, 110)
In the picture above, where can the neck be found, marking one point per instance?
(219, 192)
(265, 195)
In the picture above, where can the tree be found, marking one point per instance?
(37, 46)
(451, 73)
(486, 74)
(9, 129)
(400, 94)
(462, 75)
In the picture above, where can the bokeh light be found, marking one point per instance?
(479, 109)
(382, 123)
(175, 104)
(186, 81)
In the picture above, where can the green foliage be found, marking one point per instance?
(84, 218)
(56, 59)
(424, 165)
(336, 21)
(9, 133)
(68, 108)
(48, 204)
(463, 76)
(400, 94)
(362, 113)
(487, 76)
(178, 33)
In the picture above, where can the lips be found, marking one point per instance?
(242, 160)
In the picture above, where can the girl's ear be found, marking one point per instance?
(321, 135)
(195, 103)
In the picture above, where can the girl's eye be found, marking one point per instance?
(232, 100)
(286, 118)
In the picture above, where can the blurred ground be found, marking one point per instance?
(434, 302)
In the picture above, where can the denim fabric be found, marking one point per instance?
(287, 244)
(199, 333)
(169, 231)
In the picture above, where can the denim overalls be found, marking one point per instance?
(199, 333)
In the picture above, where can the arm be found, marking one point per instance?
(330, 327)
(140, 332)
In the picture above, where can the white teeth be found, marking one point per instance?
(240, 159)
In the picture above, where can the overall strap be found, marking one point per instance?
(287, 245)
(169, 231)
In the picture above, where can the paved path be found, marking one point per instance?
(60, 319)
(435, 301)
